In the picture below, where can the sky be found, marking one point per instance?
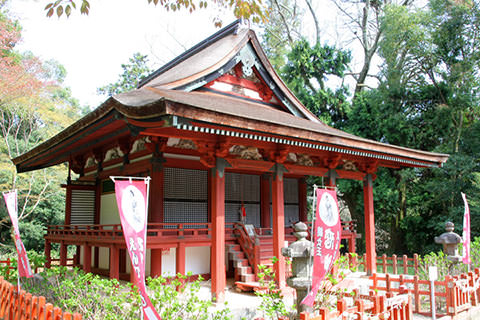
(92, 48)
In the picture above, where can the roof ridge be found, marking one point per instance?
(231, 28)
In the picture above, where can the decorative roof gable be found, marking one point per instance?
(231, 62)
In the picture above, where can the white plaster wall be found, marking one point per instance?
(109, 209)
(103, 258)
(197, 260)
(169, 262)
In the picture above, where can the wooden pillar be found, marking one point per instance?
(155, 262)
(278, 223)
(76, 258)
(114, 262)
(180, 259)
(87, 258)
(265, 220)
(369, 225)
(68, 205)
(331, 178)
(98, 194)
(63, 254)
(48, 254)
(156, 209)
(217, 200)
(302, 200)
(122, 260)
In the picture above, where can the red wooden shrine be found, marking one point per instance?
(220, 134)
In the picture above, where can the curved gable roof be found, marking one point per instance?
(216, 56)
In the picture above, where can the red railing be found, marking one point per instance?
(22, 305)
(452, 295)
(366, 307)
(113, 232)
(249, 244)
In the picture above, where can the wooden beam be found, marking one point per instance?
(369, 225)
(278, 223)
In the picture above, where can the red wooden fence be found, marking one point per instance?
(393, 265)
(16, 305)
(373, 306)
(452, 295)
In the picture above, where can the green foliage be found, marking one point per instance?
(98, 298)
(272, 306)
(445, 266)
(34, 104)
(306, 73)
(177, 300)
(133, 73)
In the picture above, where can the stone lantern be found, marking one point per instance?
(450, 241)
(301, 252)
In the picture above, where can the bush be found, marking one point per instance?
(99, 298)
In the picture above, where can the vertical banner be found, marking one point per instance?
(466, 232)
(326, 240)
(24, 269)
(133, 207)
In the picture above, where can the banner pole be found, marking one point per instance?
(312, 232)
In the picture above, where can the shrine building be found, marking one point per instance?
(228, 147)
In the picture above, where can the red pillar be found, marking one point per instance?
(68, 205)
(87, 258)
(278, 224)
(265, 201)
(180, 259)
(302, 200)
(156, 211)
(217, 200)
(63, 254)
(48, 254)
(369, 224)
(114, 262)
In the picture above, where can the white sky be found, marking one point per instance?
(93, 47)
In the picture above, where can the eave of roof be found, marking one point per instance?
(148, 103)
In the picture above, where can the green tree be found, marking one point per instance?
(34, 104)
(133, 73)
(428, 98)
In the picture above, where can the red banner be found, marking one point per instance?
(132, 205)
(466, 232)
(24, 269)
(326, 241)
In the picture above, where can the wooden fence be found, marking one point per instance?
(368, 307)
(392, 265)
(452, 295)
(16, 305)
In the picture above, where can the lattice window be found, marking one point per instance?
(242, 188)
(82, 207)
(185, 195)
(290, 190)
